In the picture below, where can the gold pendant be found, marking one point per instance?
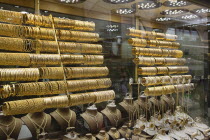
(105, 138)
(38, 131)
(9, 138)
(116, 135)
(127, 135)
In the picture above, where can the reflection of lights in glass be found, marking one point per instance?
(118, 1)
(124, 11)
(17, 6)
(162, 19)
(174, 12)
(72, 1)
(24, 12)
(131, 28)
(178, 3)
(189, 17)
(173, 0)
(203, 10)
(147, 5)
(112, 28)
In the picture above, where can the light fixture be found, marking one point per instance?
(118, 1)
(178, 3)
(147, 5)
(163, 19)
(189, 17)
(202, 10)
(124, 11)
(24, 12)
(72, 1)
(174, 12)
(112, 28)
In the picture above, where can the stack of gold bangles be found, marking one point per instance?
(162, 70)
(169, 89)
(150, 61)
(158, 80)
(45, 21)
(39, 104)
(53, 87)
(157, 52)
(34, 74)
(153, 43)
(151, 35)
(46, 33)
(25, 59)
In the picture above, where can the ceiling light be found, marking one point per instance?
(202, 11)
(118, 1)
(72, 1)
(147, 5)
(174, 12)
(189, 17)
(163, 19)
(124, 11)
(178, 3)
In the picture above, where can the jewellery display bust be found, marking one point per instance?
(102, 135)
(113, 114)
(88, 137)
(64, 117)
(71, 134)
(93, 118)
(9, 127)
(127, 105)
(38, 123)
(114, 134)
(125, 132)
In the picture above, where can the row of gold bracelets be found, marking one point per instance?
(91, 97)
(151, 35)
(137, 42)
(80, 85)
(184, 87)
(46, 21)
(163, 44)
(53, 87)
(11, 17)
(78, 36)
(162, 70)
(16, 44)
(157, 52)
(25, 59)
(46, 33)
(150, 61)
(72, 72)
(39, 104)
(19, 74)
(67, 47)
(157, 80)
(160, 90)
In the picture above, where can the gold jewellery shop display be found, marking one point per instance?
(32, 43)
(39, 104)
(44, 21)
(29, 45)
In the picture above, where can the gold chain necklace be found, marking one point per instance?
(37, 126)
(68, 121)
(8, 134)
(7, 126)
(116, 120)
(94, 118)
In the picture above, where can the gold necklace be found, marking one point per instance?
(37, 126)
(116, 120)
(7, 126)
(8, 134)
(68, 121)
(94, 118)
(104, 137)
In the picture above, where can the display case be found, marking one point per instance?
(104, 69)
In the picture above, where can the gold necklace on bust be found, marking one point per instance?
(9, 134)
(103, 137)
(68, 121)
(94, 118)
(37, 126)
(112, 114)
(7, 126)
